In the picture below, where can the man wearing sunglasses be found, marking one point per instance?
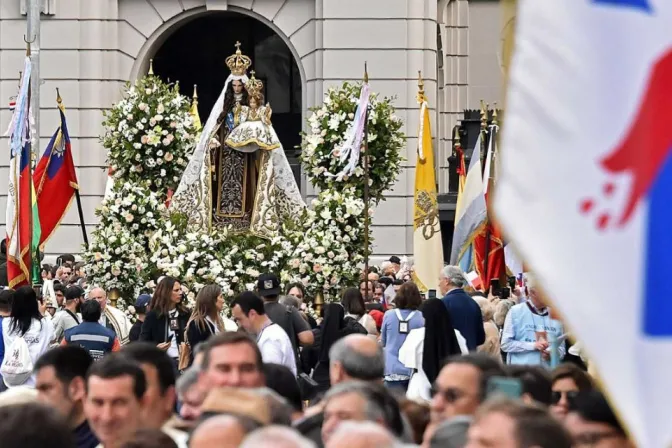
(460, 387)
(592, 423)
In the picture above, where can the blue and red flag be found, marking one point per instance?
(55, 179)
(585, 187)
(18, 217)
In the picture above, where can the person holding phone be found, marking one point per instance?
(528, 331)
(167, 318)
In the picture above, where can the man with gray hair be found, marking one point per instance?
(276, 437)
(464, 311)
(356, 357)
(362, 402)
(362, 435)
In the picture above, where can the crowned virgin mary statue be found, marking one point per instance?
(238, 176)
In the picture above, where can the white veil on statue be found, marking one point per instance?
(278, 197)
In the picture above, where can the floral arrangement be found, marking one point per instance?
(150, 135)
(232, 261)
(117, 256)
(326, 247)
(328, 126)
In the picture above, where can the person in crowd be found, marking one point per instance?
(115, 399)
(6, 299)
(206, 319)
(150, 438)
(160, 396)
(281, 380)
(190, 395)
(592, 422)
(536, 382)
(356, 357)
(248, 311)
(464, 311)
(366, 289)
(64, 274)
(295, 303)
(353, 434)
(397, 324)
(378, 292)
(33, 425)
(141, 304)
(426, 347)
(90, 335)
(417, 416)
(232, 359)
(221, 431)
(395, 263)
(289, 319)
(297, 290)
(59, 294)
(353, 302)
(491, 346)
(60, 383)
(167, 319)
(567, 381)
(359, 401)
(26, 322)
(332, 328)
(276, 437)
(508, 423)
(252, 408)
(67, 318)
(525, 337)
(449, 434)
(461, 385)
(111, 317)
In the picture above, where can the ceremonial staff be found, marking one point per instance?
(484, 150)
(366, 187)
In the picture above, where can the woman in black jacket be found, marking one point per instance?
(206, 320)
(167, 318)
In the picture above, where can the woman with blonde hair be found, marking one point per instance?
(491, 346)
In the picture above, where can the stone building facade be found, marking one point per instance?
(89, 48)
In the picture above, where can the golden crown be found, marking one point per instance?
(238, 63)
(254, 87)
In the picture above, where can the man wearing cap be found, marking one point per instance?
(140, 310)
(67, 317)
(288, 318)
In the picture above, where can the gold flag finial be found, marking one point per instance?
(421, 88)
(495, 115)
(366, 72)
(484, 114)
(59, 100)
(195, 96)
(151, 67)
(456, 137)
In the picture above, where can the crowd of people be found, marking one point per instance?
(386, 366)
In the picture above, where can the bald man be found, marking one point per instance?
(356, 357)
(222, 431)
(352, 434)
(110, 317)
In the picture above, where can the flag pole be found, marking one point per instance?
(59, 101)
(366, 188)
(484, 145)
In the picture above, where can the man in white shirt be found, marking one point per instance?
(111, 317)
(274, 344)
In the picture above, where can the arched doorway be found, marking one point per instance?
(195, 54)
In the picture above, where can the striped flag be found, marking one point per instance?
(20, 189)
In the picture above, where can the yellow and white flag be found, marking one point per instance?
(427, 245)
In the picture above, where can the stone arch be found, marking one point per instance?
(163, 31)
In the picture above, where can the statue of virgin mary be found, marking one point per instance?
(233, 180)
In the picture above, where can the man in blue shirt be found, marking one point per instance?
(464, 311)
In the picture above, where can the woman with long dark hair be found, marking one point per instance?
(353, 302)
(27, 322)
(206, 319)
(426, 348)
(167, 318)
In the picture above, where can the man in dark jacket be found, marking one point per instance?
(464, 311)
(90, 335)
